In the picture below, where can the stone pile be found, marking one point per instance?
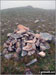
(23, 42)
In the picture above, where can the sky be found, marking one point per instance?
(36, 4)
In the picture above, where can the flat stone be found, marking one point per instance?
(21, 31)
(29, 47)
(46, 36)
(22, 27)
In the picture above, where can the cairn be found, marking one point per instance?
(24, 42)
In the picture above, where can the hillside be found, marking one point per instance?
(27, 16)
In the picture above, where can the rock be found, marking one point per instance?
(29, 47)
(31, 62)
(9, 34)
(23, 53)
(21, 27)
(37, 43)
(18, 50)
(17, 44)
(46, 36)
(31, 52)
(42, 54)
(44, 46)
(10, 48)
(8, 56)
(31, 41)
(25, 34)
(21, 31)
(37, 35)
(36, 21)
(16, 36)
(14, 41)
(5, 45)
(5, 51)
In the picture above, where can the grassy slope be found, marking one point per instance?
(26, 16)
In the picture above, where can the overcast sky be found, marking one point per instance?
(36, 4)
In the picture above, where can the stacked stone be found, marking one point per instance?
(24, 42)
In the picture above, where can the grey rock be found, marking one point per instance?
(15, 36)
(23, 53)
(44, 46)
(46, 36)
(31, 62)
